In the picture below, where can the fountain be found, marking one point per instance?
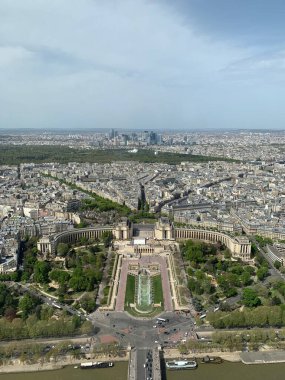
(144, 293)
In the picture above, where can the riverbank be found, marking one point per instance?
(266, 356)
(234, 357)
(16, 366)
(261, 357)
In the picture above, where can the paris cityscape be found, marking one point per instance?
(157, 245)
(142, 201)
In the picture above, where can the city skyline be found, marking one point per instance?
(142, 65)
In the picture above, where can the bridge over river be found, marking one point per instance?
(144, 364)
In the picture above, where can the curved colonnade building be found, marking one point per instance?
(240, 246)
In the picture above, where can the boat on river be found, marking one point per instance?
(181, 364)
(92, 365)
(211, 360)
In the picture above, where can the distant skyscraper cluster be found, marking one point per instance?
(142, 138)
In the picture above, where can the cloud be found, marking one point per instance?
(117, 63)
(13, 55)
(262, 62)
(266, 68)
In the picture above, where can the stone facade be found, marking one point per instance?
(164, 229)
(240, 247)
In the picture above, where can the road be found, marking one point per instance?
(273, 270)
(141, 364)
(128, 331)
(141, 333)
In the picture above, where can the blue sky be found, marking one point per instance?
(183, 64)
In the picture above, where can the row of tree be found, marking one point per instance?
(32, 327)
(257, 317)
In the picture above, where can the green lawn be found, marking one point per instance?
(157, 289)
(130, 290)
(152, 313)
(130, 297)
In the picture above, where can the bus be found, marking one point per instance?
(162, 320)
(56, 305)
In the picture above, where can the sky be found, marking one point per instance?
(142, 64)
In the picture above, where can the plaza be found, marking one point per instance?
(149, 253)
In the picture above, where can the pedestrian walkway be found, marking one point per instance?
(120, 299)
(132, 365)
(262, 357)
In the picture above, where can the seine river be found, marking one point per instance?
(225, 371)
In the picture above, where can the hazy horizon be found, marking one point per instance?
(141, 64)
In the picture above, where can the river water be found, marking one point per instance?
(225, 371)
(231, 371)
(118, 372)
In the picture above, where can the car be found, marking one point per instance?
(156, 341)
(154, 326)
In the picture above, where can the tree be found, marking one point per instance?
(95, 248)
(62, 291)
(107, 237)
(27, 305)
(76, 321)
(62, 249)
(10, 313)
(262, 272)
(208, 287)
(193, 252)
(237, 269)
(250, 270)
(230, 292)
(78, 281)
(88, 303)
(30, 258)
(82, 224)
(245, 278)
(227, 254)
(277, 264)
(59, 276)
(41, 271)
(192, 284)
(197, 304)
(250, 298)
(275, 301)
(254, 249)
